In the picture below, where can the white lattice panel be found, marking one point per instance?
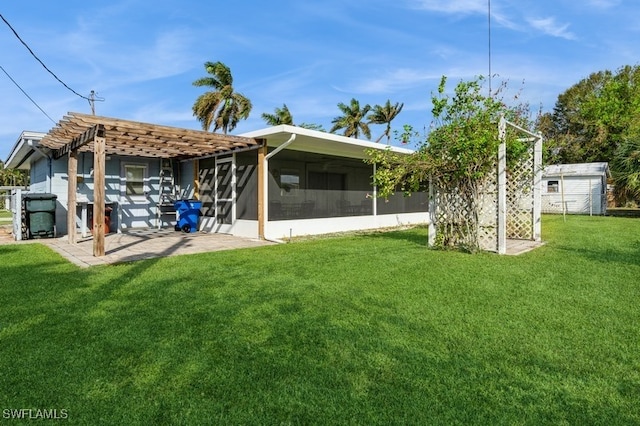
(505, 205)
(520, 198)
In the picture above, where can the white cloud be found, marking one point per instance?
(458, 6)
(388, 82)
(550, 27)
(466, 7)
(603, 4)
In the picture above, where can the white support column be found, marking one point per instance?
(374, 198)
(432, 215)
(537, 189)
(16, 209)
(502, 187)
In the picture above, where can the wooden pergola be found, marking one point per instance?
(104, 136)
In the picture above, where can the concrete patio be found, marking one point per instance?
(150, 243)
(143, 244)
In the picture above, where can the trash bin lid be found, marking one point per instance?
(40, 196)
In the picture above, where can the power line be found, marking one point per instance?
(41, 63)
(25, 93)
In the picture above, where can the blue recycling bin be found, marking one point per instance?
(188, 215)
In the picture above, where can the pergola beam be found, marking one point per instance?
(140, 139)
(80, 140)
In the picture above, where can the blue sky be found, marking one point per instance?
(142, 56)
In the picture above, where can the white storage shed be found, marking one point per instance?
(575, 188)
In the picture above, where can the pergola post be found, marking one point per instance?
(262, 175)
(98, 195)
(72, 175)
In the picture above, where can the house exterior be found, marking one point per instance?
(317, 183)
(273, 183)
(575, 188)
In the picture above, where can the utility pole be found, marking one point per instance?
(92, 101)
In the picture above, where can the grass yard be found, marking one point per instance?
(5, 216)
(365, 329)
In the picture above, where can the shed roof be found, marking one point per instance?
(578, 169)
(132, 138)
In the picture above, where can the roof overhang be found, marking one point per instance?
(320, 142)
(131, 138)
(24, 150)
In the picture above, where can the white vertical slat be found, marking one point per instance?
(502, 188)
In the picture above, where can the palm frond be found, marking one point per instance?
(222, 107)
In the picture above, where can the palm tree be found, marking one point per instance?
(222, 107)
(12, 177)
(312, 126)
(626, 170)
(384, 115)
(353, 120)
(281, 116)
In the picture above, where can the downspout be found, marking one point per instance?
(36, 148)
(265, 171)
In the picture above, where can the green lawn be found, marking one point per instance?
(5, 215)
(365, 329)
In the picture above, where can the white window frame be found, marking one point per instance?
(145, 182)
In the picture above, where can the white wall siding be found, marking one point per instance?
(581, 194)
(282, 229)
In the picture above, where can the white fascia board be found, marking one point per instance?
(21, 150)
(320, 142)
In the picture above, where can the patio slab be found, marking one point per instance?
(517, 247)
(147, 244)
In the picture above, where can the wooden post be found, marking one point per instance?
(262, 188)
(72, 175)
(98, 195)
(196, 179)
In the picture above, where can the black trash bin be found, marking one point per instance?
(40, 212)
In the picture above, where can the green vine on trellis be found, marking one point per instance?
(458, 157)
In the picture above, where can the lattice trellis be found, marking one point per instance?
(455, 218)
(488, 214)
(508, 204)
(520, 202)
